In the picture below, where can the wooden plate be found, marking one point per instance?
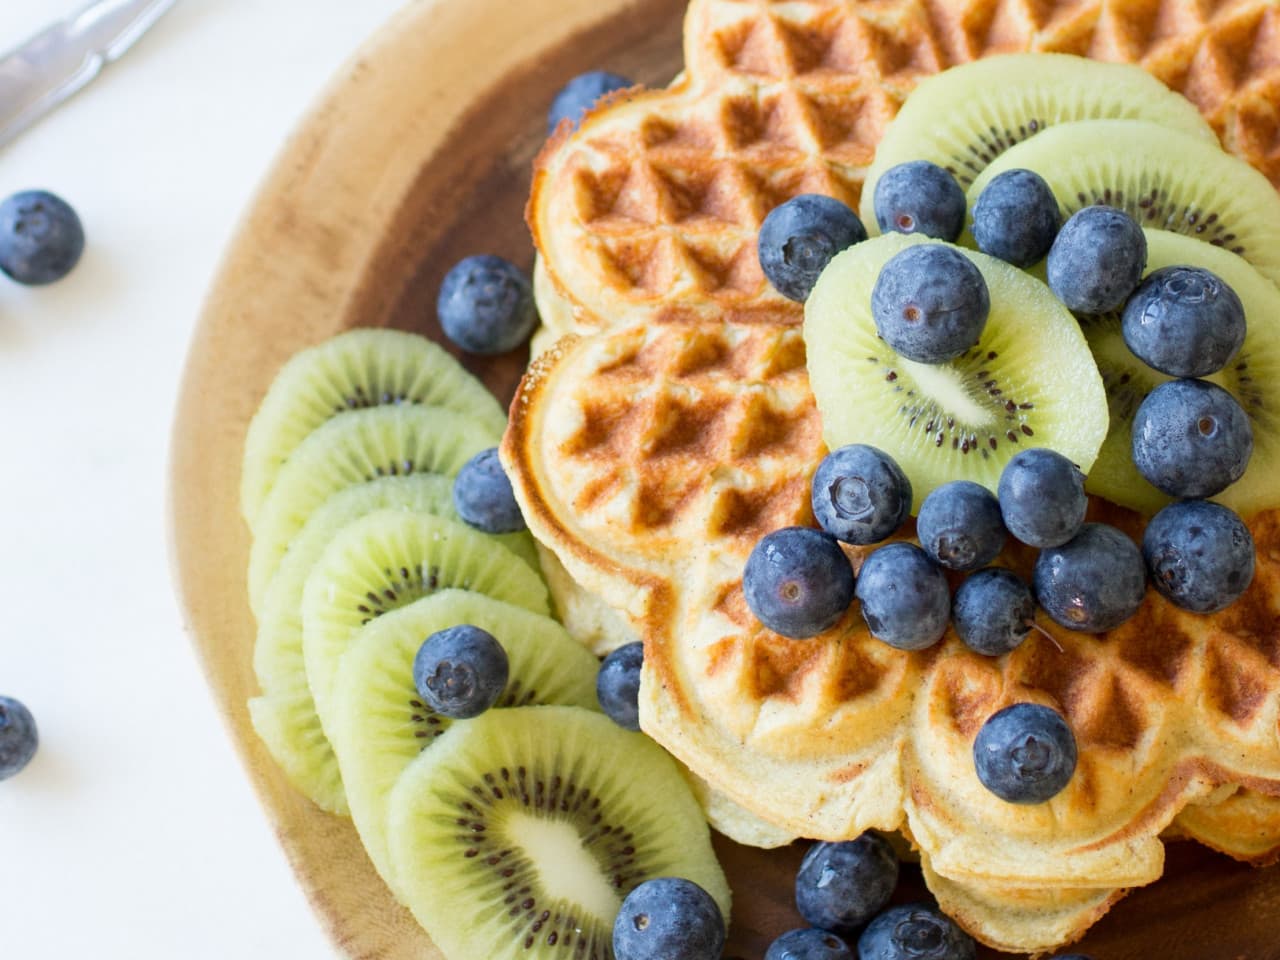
(418, 155)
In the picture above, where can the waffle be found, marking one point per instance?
(653, 445)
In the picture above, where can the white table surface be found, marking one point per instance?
(134, 833)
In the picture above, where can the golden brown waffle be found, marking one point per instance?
(653, 452)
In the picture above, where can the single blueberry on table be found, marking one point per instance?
(905, 598)
(668, 919)
(960, 527)
(919, 197)
(798, 239)
(1097, 260)
(1199, 554)
(486, 305)
(1042, 498)
(1184, 321)
(1016, 218)
(840, 886)
(860, 495)
(917, 931)
(618, 685)
(18, 737)
(41, 237)
(808, 944)
(930, 303)
(483, 497)
(798, 582)
(1025, 754)
(1191, 438)
(580, 94)
(461, 672)
(993, 611)
(1092, 583)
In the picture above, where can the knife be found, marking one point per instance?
(65, 56)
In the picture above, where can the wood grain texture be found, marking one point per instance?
(418, 155)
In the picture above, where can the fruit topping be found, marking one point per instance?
(618, 685)
(1096, 260)
(1025, 753)
(917, 931)
(919, 197)
(18, 737)
(993, 611)
(798, 239)
(798, 582)
(1092, 583)
(486, 305)
(41, 237)
(840, 886)
(483, 497)
(1184, 321)
(580, 94)
(460, 672)
(668, 918)
(905, 598)
(1191, 438)
(860, 495)
(1200, 555)
(808, 943)
(930, 303)
(960, 526)
(1016, 218)
(1042, 498)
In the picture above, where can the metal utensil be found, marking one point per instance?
(62, 58)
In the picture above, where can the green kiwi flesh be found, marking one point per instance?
(378, 722)
(1252, 376)
(519, 833)
(388, 559)
(1164, 179)
(1030, 381)
(965, 117)
(352, 371)
(285, 720)
(355, 448)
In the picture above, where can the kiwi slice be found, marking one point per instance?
(355, 448)
(352, 371)
(388, 559)
(1252, 376)
(965, 117)
(1164, 179)
(1029, 382)
(378, 723)
(286, 721)
(520, 832)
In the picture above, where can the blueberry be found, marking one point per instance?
(618, 685)
(993, 611)
(1016, 218)
(808, 944)
(460, 672)
(486, 305)
(41, 237)
(1042, 497)
(960, 527)
(905, 598)
(1191, 438)
(1199, 554)
(1097, 260)
(840, 886)
(580, 94)
(798, 582)
(860, 495)
(919, 197)
(930, 303)
(799, 238)
(668, 919)
(483, 497)
(1092, 583)
(18, 737)
(917, 931)
(1184, 321)
(1026, 753)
